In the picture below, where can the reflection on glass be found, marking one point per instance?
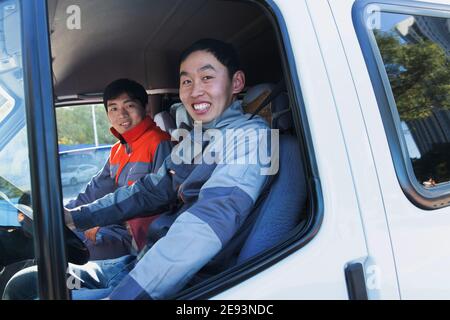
(6, 104)
(16, 231)
(15, 162)
(416, 52)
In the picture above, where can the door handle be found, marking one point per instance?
(356, 283)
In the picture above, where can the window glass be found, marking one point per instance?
(416, 50)
(84, 141)
(6, 104)
(16, 225)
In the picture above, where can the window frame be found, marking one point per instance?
(49, 238)
(424, 198)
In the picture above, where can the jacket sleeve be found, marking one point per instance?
(198, 234)
(162, 152)
(148, 194)
(100, 185)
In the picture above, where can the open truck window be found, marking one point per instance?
(93, 43)
(104, 47)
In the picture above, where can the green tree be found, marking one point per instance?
(75, 125)
(103, 126)
(9, 189)
(418, 72)
(419, 76)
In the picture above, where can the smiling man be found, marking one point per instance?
(208, 87)
(140, 149)
(215, 199)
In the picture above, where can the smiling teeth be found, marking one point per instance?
(201, 106)
(125, 124)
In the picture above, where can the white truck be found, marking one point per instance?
(366, 86)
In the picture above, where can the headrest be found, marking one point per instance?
(276, 112)
(255, 96)
(165, 121)
(179, 113)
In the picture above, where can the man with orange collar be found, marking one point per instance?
(141, 148)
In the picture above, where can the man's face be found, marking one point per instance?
(206, 89)
(124, 113)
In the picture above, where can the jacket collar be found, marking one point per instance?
(230, 114)
(134, 133)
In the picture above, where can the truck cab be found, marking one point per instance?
(361, 88)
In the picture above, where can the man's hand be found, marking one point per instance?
(91, 233)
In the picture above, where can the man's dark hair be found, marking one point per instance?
(222, 51)
(133, 89)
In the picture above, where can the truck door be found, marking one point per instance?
(406, 50)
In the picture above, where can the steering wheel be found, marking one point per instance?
(77, 252)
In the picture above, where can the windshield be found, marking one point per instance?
(14, 160)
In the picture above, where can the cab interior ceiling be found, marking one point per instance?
(142, 40)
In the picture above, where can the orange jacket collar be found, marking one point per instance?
(133, 134)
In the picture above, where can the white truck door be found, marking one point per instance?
(405, 106)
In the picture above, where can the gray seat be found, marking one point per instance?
(281, 210)
(179, 113)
